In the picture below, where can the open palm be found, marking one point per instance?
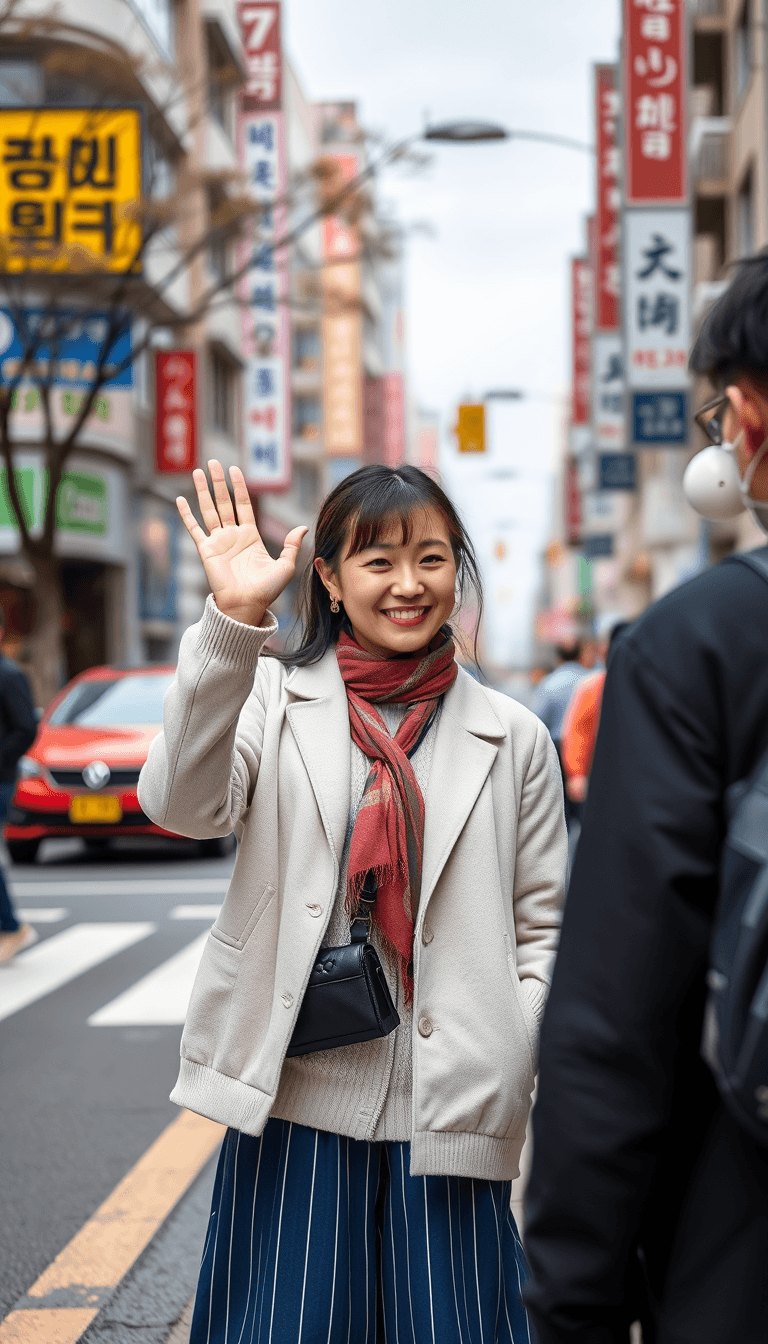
(243, 577)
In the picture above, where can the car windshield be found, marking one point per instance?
(117, 703)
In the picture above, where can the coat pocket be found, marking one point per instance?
(526, 1012)
(228, 930)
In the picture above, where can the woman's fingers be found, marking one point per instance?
(190, 522)
(292, 544)
(207, 507)
(242, 499)
(221, 494)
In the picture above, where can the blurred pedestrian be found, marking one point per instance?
(553, 696)
(364, 1185)
(18, 729)
(580, 725)
(647, 1197)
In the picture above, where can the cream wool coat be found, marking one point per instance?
(252, 746)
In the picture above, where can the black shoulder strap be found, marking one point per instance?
(757, 560)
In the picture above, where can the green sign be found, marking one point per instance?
(25, 484)
(82, 504)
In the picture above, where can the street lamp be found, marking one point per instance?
(475, 132)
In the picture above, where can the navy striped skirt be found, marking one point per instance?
(315, 1238)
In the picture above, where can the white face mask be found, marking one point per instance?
(714, 488)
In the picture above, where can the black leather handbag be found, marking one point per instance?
(347, 998)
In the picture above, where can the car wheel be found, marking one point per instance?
(23, 851)
(217, 848)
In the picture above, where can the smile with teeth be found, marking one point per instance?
(405, 615)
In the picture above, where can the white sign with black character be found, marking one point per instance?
(657, 324)
(608, 389)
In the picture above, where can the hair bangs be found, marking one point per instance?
(381, 513)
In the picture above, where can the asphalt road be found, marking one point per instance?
(90, 1022)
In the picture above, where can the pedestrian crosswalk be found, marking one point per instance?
(51, 964)
(158, 998)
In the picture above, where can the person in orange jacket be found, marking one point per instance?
(580, 725)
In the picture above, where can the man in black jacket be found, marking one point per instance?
(646, 1198)
(18, 728)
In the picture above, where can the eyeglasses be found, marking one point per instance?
(710, 419)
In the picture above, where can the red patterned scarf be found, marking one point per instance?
(388, 836)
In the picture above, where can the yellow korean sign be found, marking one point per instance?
(70, 187)
(470, 429)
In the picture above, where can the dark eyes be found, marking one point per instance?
(381, 560)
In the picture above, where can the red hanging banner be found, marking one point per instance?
(606, 249)
(262, 47)
(175, 410)
(581, 292)
(655, 102)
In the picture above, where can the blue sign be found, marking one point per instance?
(74, 341)
(597, 548)
(617, 471)
(660, 419)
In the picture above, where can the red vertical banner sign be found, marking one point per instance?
(572, 502)
(175, 410)
(581, 302)
(655, 102)
(260, 29)
(606, 249)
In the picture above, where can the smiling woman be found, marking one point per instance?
(396, 818)
(394, 558)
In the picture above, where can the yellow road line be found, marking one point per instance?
(57, 1325)
(106, 1247)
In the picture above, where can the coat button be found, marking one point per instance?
(425, 1026)
(315, 910)
(426, 935)
(287, 999)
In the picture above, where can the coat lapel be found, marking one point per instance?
(319, 719)
(466, 745)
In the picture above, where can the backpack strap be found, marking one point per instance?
(756, 560)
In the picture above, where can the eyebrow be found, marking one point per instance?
(395, 545)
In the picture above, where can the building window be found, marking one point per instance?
(306, 417)
(305, 476)
(743, 48)
(306, 348)
(222, 392)
(217, 248)
(21, 84)
(745, 216)
(220, 75)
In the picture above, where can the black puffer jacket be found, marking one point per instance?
(18, 722)
(639, 1176)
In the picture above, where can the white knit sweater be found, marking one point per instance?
(336, 1090)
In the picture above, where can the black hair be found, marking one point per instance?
(733, 340)
(354, 516)
(570, 653)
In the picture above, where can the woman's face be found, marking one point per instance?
(397, 596)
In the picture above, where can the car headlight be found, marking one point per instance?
(28, 768)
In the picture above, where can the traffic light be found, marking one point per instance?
(470, 429)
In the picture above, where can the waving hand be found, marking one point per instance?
(243, 576)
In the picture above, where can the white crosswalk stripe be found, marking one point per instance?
(42, 914)
(49, 965)
(159, 998)
(207, 912)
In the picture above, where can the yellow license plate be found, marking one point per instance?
(100, 807)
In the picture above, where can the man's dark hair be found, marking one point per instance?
(570, 653)
(733, 340)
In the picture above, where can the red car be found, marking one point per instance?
(80, 776)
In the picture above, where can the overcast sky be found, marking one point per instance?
(487, 296)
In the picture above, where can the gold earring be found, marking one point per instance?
(334, 605)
